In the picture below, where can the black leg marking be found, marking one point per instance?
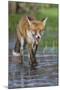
(17, 46)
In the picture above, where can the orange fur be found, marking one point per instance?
(28, 31)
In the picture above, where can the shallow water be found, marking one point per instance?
(44, 74)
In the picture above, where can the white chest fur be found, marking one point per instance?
(30, 38)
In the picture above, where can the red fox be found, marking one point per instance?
(29, 31)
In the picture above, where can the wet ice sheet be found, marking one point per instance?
(44, 74)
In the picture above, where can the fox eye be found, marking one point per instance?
(33, 32)
(40, 32)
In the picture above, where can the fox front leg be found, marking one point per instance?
(35, 47)
(21, 49)
(32, 56)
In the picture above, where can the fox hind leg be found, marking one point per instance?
(17, 46)
(16, 51)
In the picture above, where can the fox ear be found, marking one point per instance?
(28, 21)
(44, 20)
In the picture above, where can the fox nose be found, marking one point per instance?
(37, 37)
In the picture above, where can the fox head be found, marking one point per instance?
(37, 27)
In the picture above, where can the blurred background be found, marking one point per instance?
(40, 11)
